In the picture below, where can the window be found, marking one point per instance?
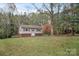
(38, 29)
(25, 29)
(33, 30)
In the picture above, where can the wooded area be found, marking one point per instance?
(64, 18)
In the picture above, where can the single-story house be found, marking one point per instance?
(30, 30)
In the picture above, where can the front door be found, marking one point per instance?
(33, 32)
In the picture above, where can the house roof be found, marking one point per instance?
(31, 26)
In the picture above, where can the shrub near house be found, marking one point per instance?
(47, 29)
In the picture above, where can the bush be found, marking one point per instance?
(47, 29)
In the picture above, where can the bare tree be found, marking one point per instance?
(50, 9)
(11, 7)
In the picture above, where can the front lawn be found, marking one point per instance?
(40, 46)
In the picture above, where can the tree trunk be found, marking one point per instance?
(51, 30)
(52, 25)
(73, 31)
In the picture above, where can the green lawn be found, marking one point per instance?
(44, 46)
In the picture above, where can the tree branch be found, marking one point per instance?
(36, 8)
(46, 8)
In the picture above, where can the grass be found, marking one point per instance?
(40, 46)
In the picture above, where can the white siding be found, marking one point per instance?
(28, 32)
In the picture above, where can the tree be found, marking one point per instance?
(50, 10)
(11, 7)
(8, 22)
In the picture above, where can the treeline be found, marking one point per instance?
(10, 22)
(64, 19)
(68, 20)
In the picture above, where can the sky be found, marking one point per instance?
(28, 7)
(23, 7)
